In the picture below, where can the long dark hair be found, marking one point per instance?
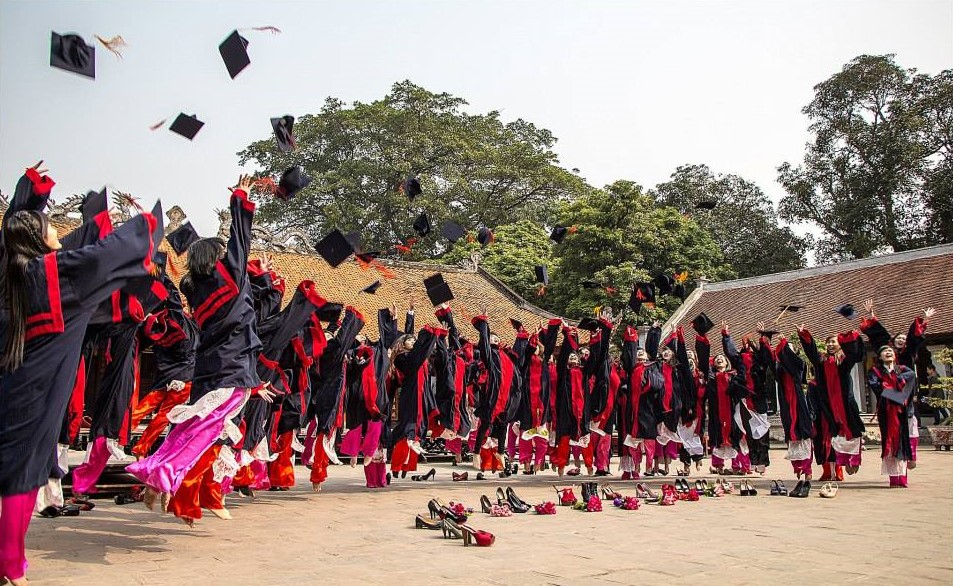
(23, 240)
(203, 256)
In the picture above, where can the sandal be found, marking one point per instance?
(829, 490)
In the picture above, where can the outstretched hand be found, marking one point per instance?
(37, 167)
(244, 183)
(266, 393)
(869, 307)
(761, 327)
(928, 312)
(724, 327)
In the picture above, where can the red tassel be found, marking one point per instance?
(402, 249)
(265, 184)
(610, 291)
(541, 291)
(112, 45)
(573, 229)
(384, 271)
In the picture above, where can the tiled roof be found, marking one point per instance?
(472, 289)
(901, 285)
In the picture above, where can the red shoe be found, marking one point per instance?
(482, 538)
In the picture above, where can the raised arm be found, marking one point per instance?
(652, 341)
(630, 349)
(386, 329)
(31, 193)
(239, 239)
(810, 347)
(703, 354)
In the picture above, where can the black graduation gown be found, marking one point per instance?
(894, 391)
(328, 390)
(843, 413)
(227, 354)
(790, 372)
(452, 379)
(723, 391)
(571, 392)
(65, 290)
(411, 374)
(174, 337)
(637, 410)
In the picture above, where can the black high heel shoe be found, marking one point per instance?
(421, 523)
(447, 513)
(517, 505)
(501, 497)
(485, 504)
(434, 509)
(422, 477)
(796, 491)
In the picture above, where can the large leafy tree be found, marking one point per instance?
(516, 250)
(623, 236)
(474, 169)
(878, 160)
(744, 222)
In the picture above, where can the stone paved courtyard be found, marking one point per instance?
(350, 535)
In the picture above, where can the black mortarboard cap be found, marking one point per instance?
(484, 236)
(663, 284)
(452, 231)
(94, 203)
(283, 133)
(768, 333)
(71, 53)
(334, 248)
(702, 323)
(186, 125)
(517, 324)
(590, 324)
(588, 284)
(330, 312)
(372, 288)
(635, 304)
(542, 274)
(438, 291)
(645, 293)
(791, 308)
(292, 181)
(182, 237)
(706, 205)
(364, 256)
(412, 188)
(558, 233)
(846, 310)
(422, 225)
(234, 51)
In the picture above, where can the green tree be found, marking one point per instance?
(623, 236)
(744, 222)
(516, 249)
(474, 169)
(878, 151)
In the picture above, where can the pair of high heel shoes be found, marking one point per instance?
(746, 489)
(469, 535)
(438, 510)
(802, 489)
(508, 498)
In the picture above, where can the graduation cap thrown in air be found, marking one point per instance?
(768, 333)
(182, 237)
(284, 133)
(663, 284)
(588, 284)
(702, 323)
(589, 324)
(484, 236)
(846, 310)
(186, 125)
(645, 293)
(706, 205)
(558, 234)
(438, 291)
(234, 52)
(422, 225)
(452, 231)
(71, 53)
(542, 274)
(517, 324)
(411, 188)
(334, 248)
(372, 288)
(292, 181)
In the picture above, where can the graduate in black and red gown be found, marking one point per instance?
(174, 338)
(906, 348)
(328, 393)
(217, 288)
(496, 407)
(605, 383)
(408, 375)
(790, 372)
(637, 434)
(894, 385)
(669, 378)
(571, 399)
(837, 403)
(456, 402)
(111, 411)
(725, 387)
(537, 380)
(50, 295)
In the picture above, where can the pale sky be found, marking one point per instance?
(631, 89)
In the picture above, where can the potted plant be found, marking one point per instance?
(940, 393)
